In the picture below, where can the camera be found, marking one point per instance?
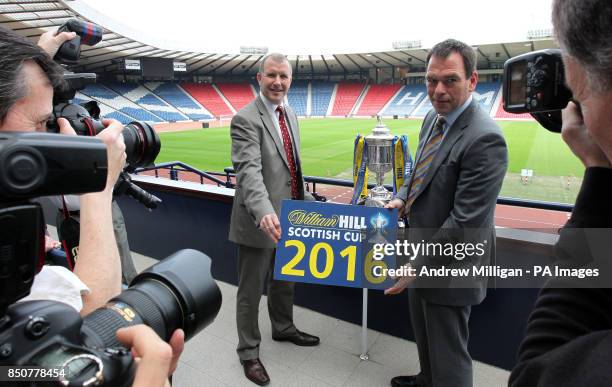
(142, 144)
(177, 292)
(534, 83)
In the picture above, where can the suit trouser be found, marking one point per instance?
(256, 268)
(441, 333)
(128, 271)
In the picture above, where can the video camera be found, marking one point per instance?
(534, 83)
(177, 292)
(142, 144)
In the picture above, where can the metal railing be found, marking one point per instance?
(176, 166)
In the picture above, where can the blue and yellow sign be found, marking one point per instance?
(332, 244)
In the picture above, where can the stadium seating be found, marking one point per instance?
(146, 99)
(406, 101)
(321, 93)
(376, 98)
(105, 110)
(346, 96)
(298, 97)
(238, 94)
(174, 95)
(119, 103)
(486, 94)
(206, 95)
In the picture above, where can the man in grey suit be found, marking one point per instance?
(265, 153)
(460, 165)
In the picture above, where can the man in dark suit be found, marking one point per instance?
(460, 165)
(265, 153)
(569, 334)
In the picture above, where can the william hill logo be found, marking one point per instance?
(301, 217)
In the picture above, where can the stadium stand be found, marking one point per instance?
(146, 99)
(486, 93)
(175, 96)
(105, 110)
(238, 94)
(346, 96)
(406, 101)
(376, 98)
(298, 97)
(321, 93)
(119, 103)
(206, 95)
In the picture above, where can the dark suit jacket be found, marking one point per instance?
(458, 193)
(569, 334)
(263, 178)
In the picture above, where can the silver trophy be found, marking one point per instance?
(379, 161)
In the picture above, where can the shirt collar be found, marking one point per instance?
(269, 105)
(452, 116)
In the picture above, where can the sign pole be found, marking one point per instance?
(364, 326)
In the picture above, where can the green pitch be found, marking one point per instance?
(327, 150)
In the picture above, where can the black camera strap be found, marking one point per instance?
(68, 231)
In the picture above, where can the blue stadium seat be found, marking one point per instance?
(321, 93)
(406, 101)
(175, 96)
(298, 96)
(485, 93)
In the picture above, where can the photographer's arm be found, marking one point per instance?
(98, 264)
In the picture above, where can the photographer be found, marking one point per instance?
(26, 93)
(569, 333)
(28, 77)
(69, 205)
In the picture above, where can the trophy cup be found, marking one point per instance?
(379, 161)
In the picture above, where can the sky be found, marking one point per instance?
(323, 26)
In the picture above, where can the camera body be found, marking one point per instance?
(534, 83)
(178, 292)
(50, 335)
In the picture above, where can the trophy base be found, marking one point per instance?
(378, 197)
(376, 202)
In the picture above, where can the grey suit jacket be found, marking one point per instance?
(263, 178)
(458, 196)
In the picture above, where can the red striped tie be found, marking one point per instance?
(289, 152)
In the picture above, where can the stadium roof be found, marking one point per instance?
(33, 17)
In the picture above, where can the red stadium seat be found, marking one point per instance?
(206, 95)
(238, 94)
(346, 96)
(376, 98)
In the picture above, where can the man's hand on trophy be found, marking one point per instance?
(401, 283)
(271, 226)
(396, 203)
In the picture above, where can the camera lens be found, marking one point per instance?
(177, 292)
(142, 144)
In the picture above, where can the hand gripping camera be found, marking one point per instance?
(178, 292)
